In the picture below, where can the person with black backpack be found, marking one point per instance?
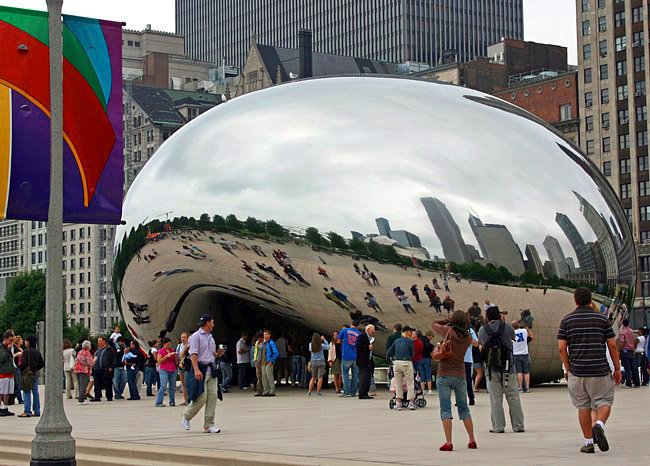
(424, 365)
(496, 340)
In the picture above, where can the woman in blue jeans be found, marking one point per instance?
(451, 377)
(30, 364)
(168, 362)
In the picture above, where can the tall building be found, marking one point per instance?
(406, 238)
(556, 257)
(534, 264)
(497, 245)
(447, 231)
(383, 226)
(390, 30)
(584, 254)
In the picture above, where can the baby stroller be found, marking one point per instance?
(419, 400)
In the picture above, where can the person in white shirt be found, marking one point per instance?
(488, 305)
(243, 360)
(641, 356)
(521, 356)
(114, 336)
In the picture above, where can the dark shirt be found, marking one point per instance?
(105, 358)
(401, 350)
(391, 339)
(32, 358)
(586, 333)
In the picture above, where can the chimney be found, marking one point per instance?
(305, 53)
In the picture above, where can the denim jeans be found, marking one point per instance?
(631, 370)
(119, 381)
(642, 362)
(17, 378)
(149, 378)
(226, 370)
(132, 377)
(28, 395)
(242, 369)
(296, 369)
(445, 385)
(424, 369)
(350, 386)
(167, 378)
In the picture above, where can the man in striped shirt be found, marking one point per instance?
(583, 337)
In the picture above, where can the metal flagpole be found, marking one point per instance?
(53, 443)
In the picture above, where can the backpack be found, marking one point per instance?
(427, 347)
(496, 354)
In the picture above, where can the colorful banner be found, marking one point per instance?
(93, 159)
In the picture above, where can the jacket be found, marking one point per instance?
(32, 358)
(392, 338)
(363, 350)
(270, 349)
(6, 361)
(401, 350)
(105, 358)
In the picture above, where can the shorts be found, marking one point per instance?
(317, 369)
(522, 363)
(336, 367)
(477, 365)
(7, 386)
(591, 392)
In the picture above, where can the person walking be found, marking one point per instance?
(469, 363)
(268, 356)
(68, 368)
(640, 356)
(119, 373)
(404, 300)
(425, 363)
(168, 362)
(583, 337)
(30, 364)
(364, 361)
(451, 375)
(496, 339)
(334, 361)
(401, 352)
(627, 342)
(281, 365)
(243, 360)
(257, 357)
(150, 375)
(133, 366)
(184, 363)
(6, 373)
(103, 370)
(415, 292)
(521, 356)
(372, 302)
(204, 379)
(83, 368)
(316, 347)
(350, 370)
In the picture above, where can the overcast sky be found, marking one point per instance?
(546, 21)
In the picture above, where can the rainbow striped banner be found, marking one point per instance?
(93, 159)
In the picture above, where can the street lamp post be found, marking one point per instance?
(53, 443)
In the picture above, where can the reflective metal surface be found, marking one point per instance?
(409, 168)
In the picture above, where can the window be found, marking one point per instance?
(644, 212)
(73, 279)
(607, 145)
(82, 309)
(619, 19)
(628, 215)
(621, 92)
(65, 235)
(587, 75)
(642, 162)
(34, 259)
(607, 168)
(586, 28)
(602, 48)
(590, 147)
(644, 188)
(637, 14)
(604, 120)
(81, 278)
(81, 233)
(40, 257)
(645, 236)
(82, 293)
(585, 5)
(82, 263)
(602, 3)
(604, 74)
(65, 250)
(589, 99)
(586, 52)
(73, 264)
(638, 40)
(63, 265)
(81, 248)
(604, 96)
(589, 122)
(625, 191)
(639, 63)
(40, 239)
(73, 235)
(623, 141)
(565, 112)
(642, 138)
(136, 43)
(72, 308)
(73, 293)
(33, 241)
(621, 43)
(623, 116)
(602, 23)
(624, 165)
(73, 249)
(130, 43)
(621, 68)
(639, 88)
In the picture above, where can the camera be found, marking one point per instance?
(223, 347)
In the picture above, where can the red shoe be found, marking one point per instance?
(447, 447)
(472, 445)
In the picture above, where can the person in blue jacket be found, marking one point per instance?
(269, 355)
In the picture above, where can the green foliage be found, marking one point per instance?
(273, 228)
(75, 333)
(232, 223)
(337, 240)
(219, 222)
(254, 226)
(358, 246)
(313, 236)
(24, 303)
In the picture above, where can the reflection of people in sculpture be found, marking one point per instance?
(322, 260)
(356, 268)
(366, 276)
(294, 275)
(447, 285)
(415, 292)
(448, 304)
(375, 280)
(246, 267)
(333, 298)
(365, 267)
(404, 300)
(365, 319)
(322, 272)
(372, 302)
(435, 283)
(343, 298)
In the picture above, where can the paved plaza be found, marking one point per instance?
(295, 429)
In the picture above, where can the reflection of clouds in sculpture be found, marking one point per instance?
(337, 153)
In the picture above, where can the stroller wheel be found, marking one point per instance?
(421, 403)
(391, 404)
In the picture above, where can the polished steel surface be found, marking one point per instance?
(455, 173)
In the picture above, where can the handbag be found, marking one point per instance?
(443, 350)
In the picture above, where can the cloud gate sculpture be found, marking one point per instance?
(269, 208)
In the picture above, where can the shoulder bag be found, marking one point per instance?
(443, 350)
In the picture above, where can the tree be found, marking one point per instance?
(24, 303)
(273, 228)
(219, 222)
(358, 246)
(233, 223)
(254, 226)
(313, 236)
(337, 240)
(75, 333)
(204, 221)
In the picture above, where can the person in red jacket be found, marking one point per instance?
(417, 354)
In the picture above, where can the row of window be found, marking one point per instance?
(83, 277)
(622, 93)
(73, 249)
(9, 246)
(638, 40)
(619, 20)
(586, 4)
(82, 310)
(9, 230)
(625, 165)
(73, 263)
(82, 293)
(621, 69)
(7, 262)
(626, 190)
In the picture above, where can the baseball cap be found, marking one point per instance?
(407, 328)
(205, 318)
(493, 313)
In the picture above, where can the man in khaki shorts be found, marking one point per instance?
(583, 337)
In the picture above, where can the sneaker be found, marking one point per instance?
(185, 423)
(472, 402)
(447, 447)
(430, 392)
(588, 448)
(319, 394)
(412, 406)
(212, 430)
(308, 393)
(160, 405)
(599, 437)
(398, 406)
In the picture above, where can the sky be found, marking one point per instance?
(546, 21)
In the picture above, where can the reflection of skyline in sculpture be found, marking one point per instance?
(584, 255)
(404, 238)
(556, 256)
(534, 264)
(497, 245)
(383, 226)
(453, 246)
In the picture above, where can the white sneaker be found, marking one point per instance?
(212, 430)
(185, 423)
(430, 392)
(398, 406)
